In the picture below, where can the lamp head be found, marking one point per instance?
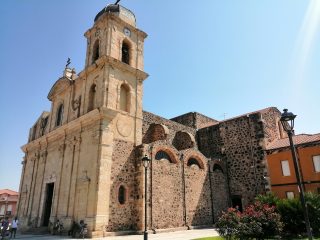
(146, 161)
(287, 120)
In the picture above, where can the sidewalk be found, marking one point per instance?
(179, 235)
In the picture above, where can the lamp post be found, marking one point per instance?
(287, 121)
(146, 162)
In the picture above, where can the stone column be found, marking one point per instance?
(104, 164)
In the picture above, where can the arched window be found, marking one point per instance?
(124, 98)
(122, 195)
(217, 167)
(162, 155)
(59, 115)
(92, 97)
(125, 53)
(192, 162)
(95, 51)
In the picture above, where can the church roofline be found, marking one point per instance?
(264, 110)
(115, 63)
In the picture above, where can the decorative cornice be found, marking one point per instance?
(60, 132)
(139, 74)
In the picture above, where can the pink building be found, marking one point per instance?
(8, 203)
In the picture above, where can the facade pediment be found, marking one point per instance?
(58, 87)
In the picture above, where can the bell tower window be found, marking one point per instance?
(124, 98)
(95, 52)
(59, 115)
(92, 96)
(125, 53)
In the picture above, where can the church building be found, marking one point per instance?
(83, 159)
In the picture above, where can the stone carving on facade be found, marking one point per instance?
(84, 177)
(123, 126)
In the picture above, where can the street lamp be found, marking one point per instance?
(287, 121)
(146, 162)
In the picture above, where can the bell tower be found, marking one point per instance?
(114, 85)
(115, 59)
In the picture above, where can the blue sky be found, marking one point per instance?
(220, 58)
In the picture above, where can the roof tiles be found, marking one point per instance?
(297, 140)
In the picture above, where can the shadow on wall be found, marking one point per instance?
(219, 190)
(198, 195)
(123, 207)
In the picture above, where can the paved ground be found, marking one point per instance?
(180, 235)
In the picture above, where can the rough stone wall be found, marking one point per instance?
(180, 193)
(210, 142)
(272, 126)
(183, 140)
(194, 120)
(155, 132)
(123, 216)
(239, 143)
(167, 198)
(198, 197)
(220, 194)
(173, 127)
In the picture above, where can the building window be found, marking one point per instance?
(192, 162)
(59, 115)
(125, 53)
(9, 208)
(162, 155)
(124, 98)
(122, 195)
(92, 96)
(316, 163)
(290, 195)
(285, 168)
(2, 209)
(318, 190)
(95, 52)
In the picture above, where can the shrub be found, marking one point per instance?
(292, 216)
(268, 198)
(257, 221)
(313, 202)
(228, 223)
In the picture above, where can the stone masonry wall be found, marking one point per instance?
(219, 192)
(167, 198)
(180, 194)
(125, 216)
(194, 120)
(198, 197)
(173, 127)
(239, 143)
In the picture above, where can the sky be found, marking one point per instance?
(221, 58)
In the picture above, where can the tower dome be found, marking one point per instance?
(120, 11)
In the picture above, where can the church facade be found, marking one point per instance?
(83, 158)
